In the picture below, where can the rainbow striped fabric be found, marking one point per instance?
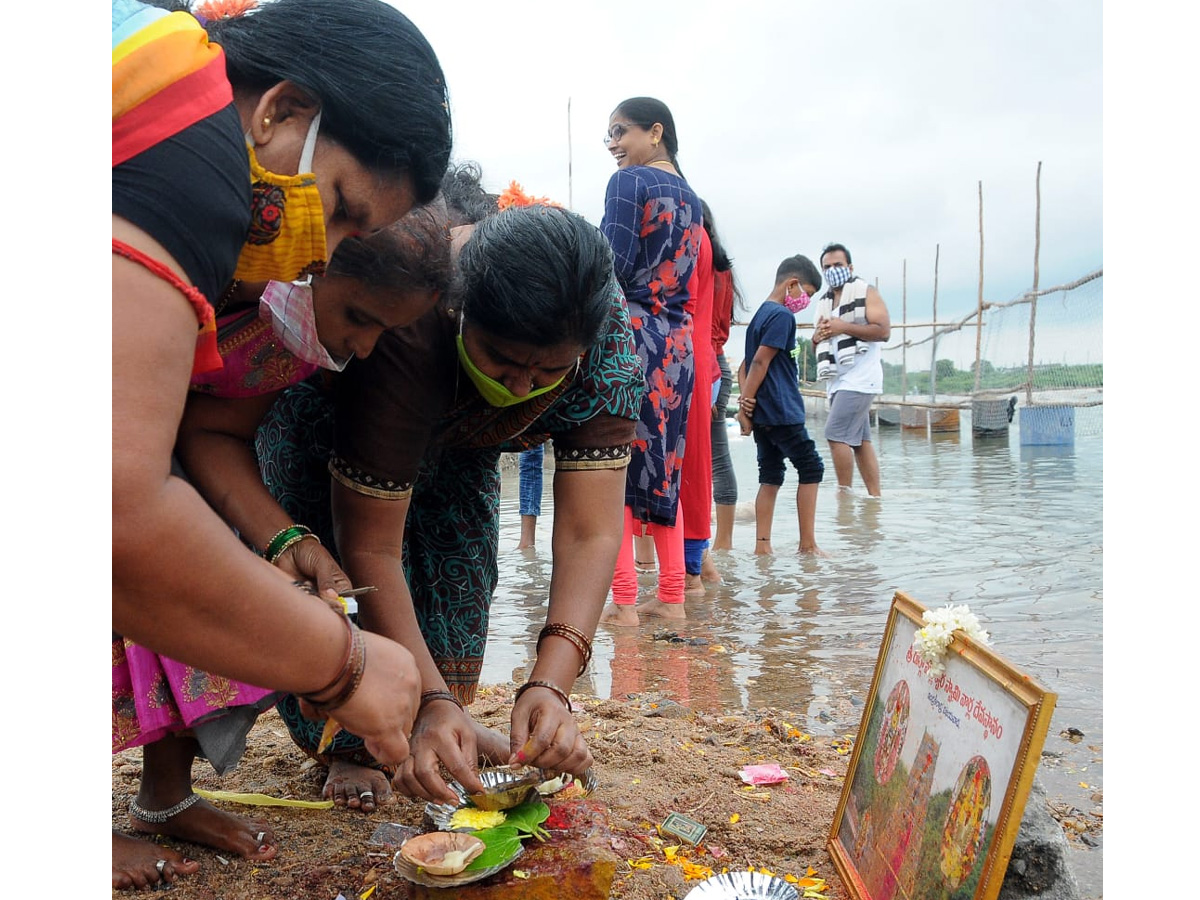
(166, 76)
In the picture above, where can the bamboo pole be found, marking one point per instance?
(979, 307)
(1037, 247)
(904, 324)
(937, 253)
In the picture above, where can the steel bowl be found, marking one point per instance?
(437, 815)
(587, 783)
(504, 787)
(743, 886)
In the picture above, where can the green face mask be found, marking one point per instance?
(495, 393)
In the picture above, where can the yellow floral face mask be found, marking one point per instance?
(286, 241)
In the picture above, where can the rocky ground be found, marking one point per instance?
(653, 757)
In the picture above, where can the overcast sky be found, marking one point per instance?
(802, 123)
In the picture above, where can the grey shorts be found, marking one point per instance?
(849, 419)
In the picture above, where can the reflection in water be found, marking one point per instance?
(674, 668)
(1015, 532)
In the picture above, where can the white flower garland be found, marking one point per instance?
(935, 637)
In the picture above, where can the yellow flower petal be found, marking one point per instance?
(367, 893)
(469, 817)
(734, 819)
(331, 730)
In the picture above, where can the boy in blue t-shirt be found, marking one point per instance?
(771, 408)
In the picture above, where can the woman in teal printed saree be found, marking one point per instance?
(395, 466)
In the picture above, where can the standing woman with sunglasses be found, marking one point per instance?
(653, 220)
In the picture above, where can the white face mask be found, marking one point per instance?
(289, 305)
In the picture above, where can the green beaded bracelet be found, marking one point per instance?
(284, 539)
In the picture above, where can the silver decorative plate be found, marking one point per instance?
(437, 815)
(417, 875)
(743, 886)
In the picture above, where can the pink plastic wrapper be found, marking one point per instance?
(769, 773)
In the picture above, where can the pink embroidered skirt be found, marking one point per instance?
(153, 696)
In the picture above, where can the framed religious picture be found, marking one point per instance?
(943, 762)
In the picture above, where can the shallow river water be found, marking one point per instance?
(1013, 532)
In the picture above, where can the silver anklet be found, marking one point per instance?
(158, 816)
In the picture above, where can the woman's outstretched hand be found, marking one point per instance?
(445, 735)
(545, 734)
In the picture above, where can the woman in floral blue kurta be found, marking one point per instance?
(653, 220)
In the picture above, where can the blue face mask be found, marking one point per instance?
(836, 276)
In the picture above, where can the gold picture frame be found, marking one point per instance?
(940, 771)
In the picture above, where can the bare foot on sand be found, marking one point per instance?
(357, 787)
(693, 585)
(203, 823)
(135, 864)
(655, 607)
(814, 550)
(620, 615)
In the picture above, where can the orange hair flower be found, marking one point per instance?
(514, 195)
(225, 9)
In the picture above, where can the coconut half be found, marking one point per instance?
(442, 852)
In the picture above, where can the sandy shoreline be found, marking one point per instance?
(652, 757)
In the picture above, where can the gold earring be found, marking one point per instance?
(654, 143)
(266, 121)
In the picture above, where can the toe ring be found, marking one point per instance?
(258, 838)
(365, 794)
(160, 865)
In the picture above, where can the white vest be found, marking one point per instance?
(866, 375)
